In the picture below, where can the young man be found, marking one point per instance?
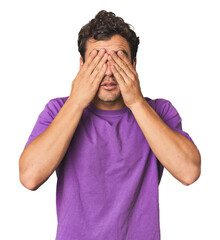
(108, 143)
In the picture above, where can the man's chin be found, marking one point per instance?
(108, 98)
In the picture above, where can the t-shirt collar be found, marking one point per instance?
(99, 111)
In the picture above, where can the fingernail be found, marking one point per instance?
(120, 53)
(93, 52)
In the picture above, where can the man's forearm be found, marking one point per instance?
(42, 156)
(175, 152)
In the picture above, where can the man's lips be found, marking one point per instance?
(109, 87)
(108, 84)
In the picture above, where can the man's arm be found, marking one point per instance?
(43, 155)
(176, 152)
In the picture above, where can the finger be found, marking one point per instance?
(117, 75)
(100, 75)
(126, 60)
(99, 66)
(122, 64)
(92, 55)
(95, 61)
(119, 69)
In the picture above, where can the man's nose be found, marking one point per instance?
(108, 70)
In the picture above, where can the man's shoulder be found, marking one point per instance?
(157, 102)
(59, 100)
(54, 105)
(164, 108)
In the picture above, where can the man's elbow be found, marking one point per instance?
(26, 177)
(193, 173)
(28, 182)
(191, 179)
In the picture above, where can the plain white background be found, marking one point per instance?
(178, 59)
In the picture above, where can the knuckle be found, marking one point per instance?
(95, 71)
(93, 64)
(124, 64)
(116, 73)
(119, 69)
(84, 69)
(83, 72)
(99, 67)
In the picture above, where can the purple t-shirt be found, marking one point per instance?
(107, 182)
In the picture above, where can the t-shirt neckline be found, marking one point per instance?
(99, 111)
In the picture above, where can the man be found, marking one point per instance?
(108, 143)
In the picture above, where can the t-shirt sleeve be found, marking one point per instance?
(171, 117)
(45, 118)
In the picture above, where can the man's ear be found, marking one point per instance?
(80, 62)
(134, 62)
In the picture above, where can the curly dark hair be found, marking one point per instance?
(103, 27)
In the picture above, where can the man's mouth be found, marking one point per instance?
(108, 83)
(109, 86)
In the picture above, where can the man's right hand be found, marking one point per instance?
(88, 79)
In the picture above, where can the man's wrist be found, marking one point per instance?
(140, 102)
(75, 105)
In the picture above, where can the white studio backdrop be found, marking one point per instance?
(178, 59)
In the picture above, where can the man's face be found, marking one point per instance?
(115, 43)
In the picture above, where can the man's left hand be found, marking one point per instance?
(127, 78)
